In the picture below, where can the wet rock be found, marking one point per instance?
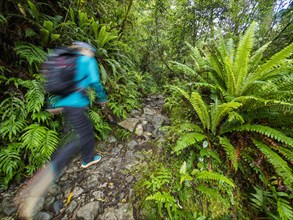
(157, 121)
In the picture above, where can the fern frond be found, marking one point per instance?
(220, 111)
(10, 160)
(35, 96)
(279, 164)
(197, 57)
(33, 136)
(257, 57)
(12, 127)
(187, 70)
(275, 61)
(285, 210)
(230, 151)
(187, 140)
(50, 142)
(213, 195)
(268, 131)
(242, 56)
(209, 175)
(31, 53)
(190, 127)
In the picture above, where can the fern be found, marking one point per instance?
(220, 111)
(187, 140)
(35, 96)
(230, 151)
(285, 210)
(268, 131)
(34, 55)
(279, 164)
(208, 175)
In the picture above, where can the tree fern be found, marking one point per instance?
(279, 164)
(209, 175)
(230, 151)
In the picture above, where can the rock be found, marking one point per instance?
(48, 202)
(135, 113)
(149, 111)
(129, 123)
(57, 206)
(129, 179)
(71, 207)
(89, 211)
(92, 181)
(139, 130)
(112, 139)
(7, 206)
(77, 191)
(43, 216)
(123, 212)
(157, 121)
(131, 144)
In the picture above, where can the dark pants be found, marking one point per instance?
(78, 120)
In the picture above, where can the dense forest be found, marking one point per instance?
(224, 68)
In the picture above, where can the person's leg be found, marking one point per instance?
(85, 138)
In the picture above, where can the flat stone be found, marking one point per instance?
(129, 123)
(131, 144)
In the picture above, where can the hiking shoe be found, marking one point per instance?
(97, 158)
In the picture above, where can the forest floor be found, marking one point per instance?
(104, 191)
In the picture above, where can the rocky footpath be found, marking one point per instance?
(104, 191)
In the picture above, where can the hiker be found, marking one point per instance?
(74, 107)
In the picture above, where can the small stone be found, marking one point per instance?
(139, 130)
(129, 179)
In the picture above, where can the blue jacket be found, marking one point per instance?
(87, 68)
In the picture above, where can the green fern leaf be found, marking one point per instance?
(275, 61)
(279, 164)
(284, 209)
(230, 151)
(213, 195)
(209, 175)
(187, 140)
(221, 111)
(242, 56)
(268, 131)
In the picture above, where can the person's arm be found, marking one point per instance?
(101, 96)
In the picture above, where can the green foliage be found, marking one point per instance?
(273, 204)
(33, 54)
